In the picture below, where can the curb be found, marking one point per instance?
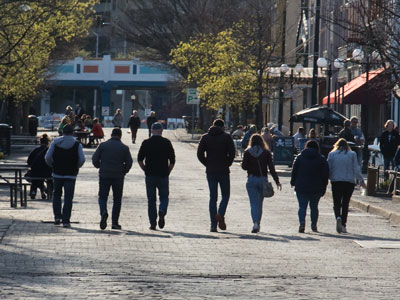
(391, 216)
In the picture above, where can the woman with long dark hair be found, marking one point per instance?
(310, 174)
(344, 170)
(257, 159)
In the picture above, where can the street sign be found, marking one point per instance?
(191, 96)
(105, 110)
(283, 150)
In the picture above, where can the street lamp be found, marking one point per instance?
(284, 68)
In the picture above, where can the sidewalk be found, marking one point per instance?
(379, 206)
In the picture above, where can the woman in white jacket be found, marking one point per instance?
(344, 170)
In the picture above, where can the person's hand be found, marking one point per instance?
(363, 185)
(279, 186)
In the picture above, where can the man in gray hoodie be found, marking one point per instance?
(114, 160)
(65, 156)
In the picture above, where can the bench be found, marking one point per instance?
(22, 188)
(24, 140)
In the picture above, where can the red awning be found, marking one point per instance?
(354, 91)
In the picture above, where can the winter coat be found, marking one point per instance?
(310, 172)
(216, 151)
(344, 166)
(388, 143)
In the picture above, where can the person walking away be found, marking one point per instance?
(358, 137)
(65, 156)
(344, 170)
(134, 124)
(216, 152)
(257, 160)
(39, 168)
(64, 121)
(345, 133)
(117, 119)
(309, 178)
(156, 157)
(114, 160)
(388, 143)
(267, 136)
(150, 121)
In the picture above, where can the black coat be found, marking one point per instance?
(37, 163)
(134, 122)
(216, 151)
(389, 148)
(310, 172)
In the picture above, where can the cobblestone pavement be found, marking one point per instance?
(185, 261)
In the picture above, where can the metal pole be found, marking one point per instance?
(316, 53)
(281, 79)
(192, 121)
(329, 73)
(365, 108)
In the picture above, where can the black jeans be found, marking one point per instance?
(117, 186)
(341, 192)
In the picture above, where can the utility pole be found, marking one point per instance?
(281, 78)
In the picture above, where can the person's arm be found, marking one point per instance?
(357, 169)
(294, 171)
(231, 150)
(272, 170)
(245, 161)
(49, 155)
(96, 157)
(128, 160)
(171, 158)
(201, 152)
(141, 156)
(81, 156)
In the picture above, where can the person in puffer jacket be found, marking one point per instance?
(310, 175)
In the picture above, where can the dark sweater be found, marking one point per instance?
(156, 152)
(216, 151)
(253, 162)
(389, 146)
(310, 173)
(134, 122)
(66, 160)
(37, 163)
(113, 158)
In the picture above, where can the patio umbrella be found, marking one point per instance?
(319, 115)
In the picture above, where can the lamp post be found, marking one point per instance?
(283, 69)
(322, 62)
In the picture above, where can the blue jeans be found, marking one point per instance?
(152, 184)
(254, 188)
(224, 183)
(117, 185)
(69, 189)
(304, 199)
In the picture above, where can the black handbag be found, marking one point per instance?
(268, 189)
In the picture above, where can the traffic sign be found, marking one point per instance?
(191, 96)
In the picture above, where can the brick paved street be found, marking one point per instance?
(185, 261)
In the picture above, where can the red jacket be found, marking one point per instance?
(97, 130)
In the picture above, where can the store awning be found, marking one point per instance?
(354, 92)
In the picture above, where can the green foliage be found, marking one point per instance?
(214, 66)
(29, 33)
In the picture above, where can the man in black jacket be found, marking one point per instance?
(114, 160)
(156, 157)
(216, 152)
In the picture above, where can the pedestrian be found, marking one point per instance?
(312, 134)
(65, 156)
(78, 111)
(388, 143)
(216, 152)
(344, 170)
(257, 159)
(64, 121)
(345, 133)
(150, 120)
(238, 133)
(309, 178)
(356, 131)
(300, 134)
(156, 158)
(39, 168)
(134, 124)
(114, 160)
(268, 138)
(250, 131)
(97, 132)
(117, 119)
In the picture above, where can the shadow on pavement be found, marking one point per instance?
(136, 233)
(192, 235)
(349, 236)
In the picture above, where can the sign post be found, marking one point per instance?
(192, 98)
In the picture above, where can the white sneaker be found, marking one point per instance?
(339, 228)
(344, 229)
(256, 228)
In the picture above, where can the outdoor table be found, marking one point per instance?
(82, 137)
(17, 185)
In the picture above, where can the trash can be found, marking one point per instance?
(33, 123)
(371, 181)
(5, 138)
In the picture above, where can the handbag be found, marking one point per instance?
(268, 189)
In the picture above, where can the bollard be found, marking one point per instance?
(371, 181)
